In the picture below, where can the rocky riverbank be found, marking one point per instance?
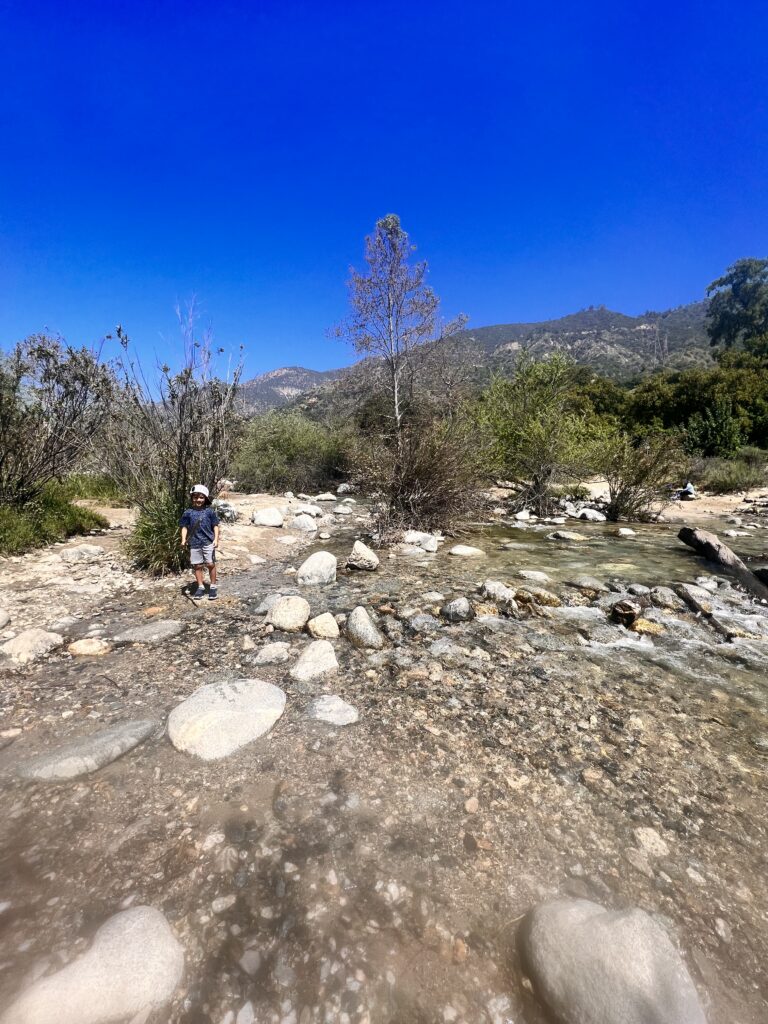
(475, 735)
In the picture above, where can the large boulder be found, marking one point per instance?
(316, 661)
(267, 517)
(595, 966)
(466, 551)
(304, 523)
(131, 970)
(86, 753)
(31, 644)
(290, 614)
(318, 569)
(362, 557)
(219, 718)
(361, 630)
(82, 553)
(591, 515)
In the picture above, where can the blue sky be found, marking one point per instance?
(542, 157)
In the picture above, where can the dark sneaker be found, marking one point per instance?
(212, 593)
(199, 593)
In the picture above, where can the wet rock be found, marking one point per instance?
(568, 535)
(466, 551)
(220, 718)
(268, 517)
(665, 597)
(698, 599)
(290, 614)
(271, 654)
(326, 496)
(30, 645)
(318, 569)
(82, 553)
(86, 753)
(597, 966)
(420, 539)
(323, 627)
(90, 646)
(534, 576)
(498, 592)
(362, 558)
(361, 630)
(542, 597)
(332, 709)
(588, 585)
(591, 515)
(638, 590)
(458, 610)
(626, 531)
(625, 613)
(132, 969)
(343, 510)
(424, 624)
(647, 627)
(304, 523)
(151, 633)
(316, 661)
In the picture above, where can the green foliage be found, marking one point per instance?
(640, 472)
(738, 307)
(538, 436)
(286, 451)
(715, 431)
(155, 543)
(44, 519)
(98, 486)
(721, 476)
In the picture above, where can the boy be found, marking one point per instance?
(200, 528)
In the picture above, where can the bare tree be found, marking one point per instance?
(394, 315)
(177, 430)
(53, 398)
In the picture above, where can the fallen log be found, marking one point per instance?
(709, 546)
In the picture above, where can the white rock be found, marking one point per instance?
(534, 576)
(651, 843)
(523, 516)
(220, 718)
(31, 644)
(591, 515)
(5, 618)
(271, 654)
(153, 632)
(246, 1014)
(90, 646)
(425, 541)
(326, 496)
(319, 568)
(332, 709)
(595, 966)
(317, 660)
(343, 510)
(86, 753)
(83, 553)
(362, 557)
(497, 591)
(288, 541)
(361, 630)
(323, 627)
(324, 536)
(268, 517)
(132, 968)
(466, 551)
(305, 523)
(308, 509)
(257, 560)
(345, 489)
(626, 531)
(289, 614)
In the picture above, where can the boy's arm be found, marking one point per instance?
(216, 535)
(183, 536)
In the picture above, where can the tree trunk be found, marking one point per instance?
(709, 546)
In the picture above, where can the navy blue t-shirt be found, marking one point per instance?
(200, 523)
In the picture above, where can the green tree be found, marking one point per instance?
(539, 437)
(738, 307)
(715, 431)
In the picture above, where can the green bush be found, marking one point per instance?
(47, 518)
(716, 431)
(155, 543)
(722, 476)
(286, 451)
(98, 486)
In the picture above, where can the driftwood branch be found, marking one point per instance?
(709, 546)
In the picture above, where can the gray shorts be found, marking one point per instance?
(205, 555)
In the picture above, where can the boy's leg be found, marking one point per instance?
(198, 575)
(212, 573)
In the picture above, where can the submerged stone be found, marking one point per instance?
(220, 718)
(86, 753)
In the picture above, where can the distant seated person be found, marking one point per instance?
(688, 493)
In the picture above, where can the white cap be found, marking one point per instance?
(200, 489)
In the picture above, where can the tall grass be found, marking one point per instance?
(745, 472)
(47, 518)
(97, 486)
(155, 543)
